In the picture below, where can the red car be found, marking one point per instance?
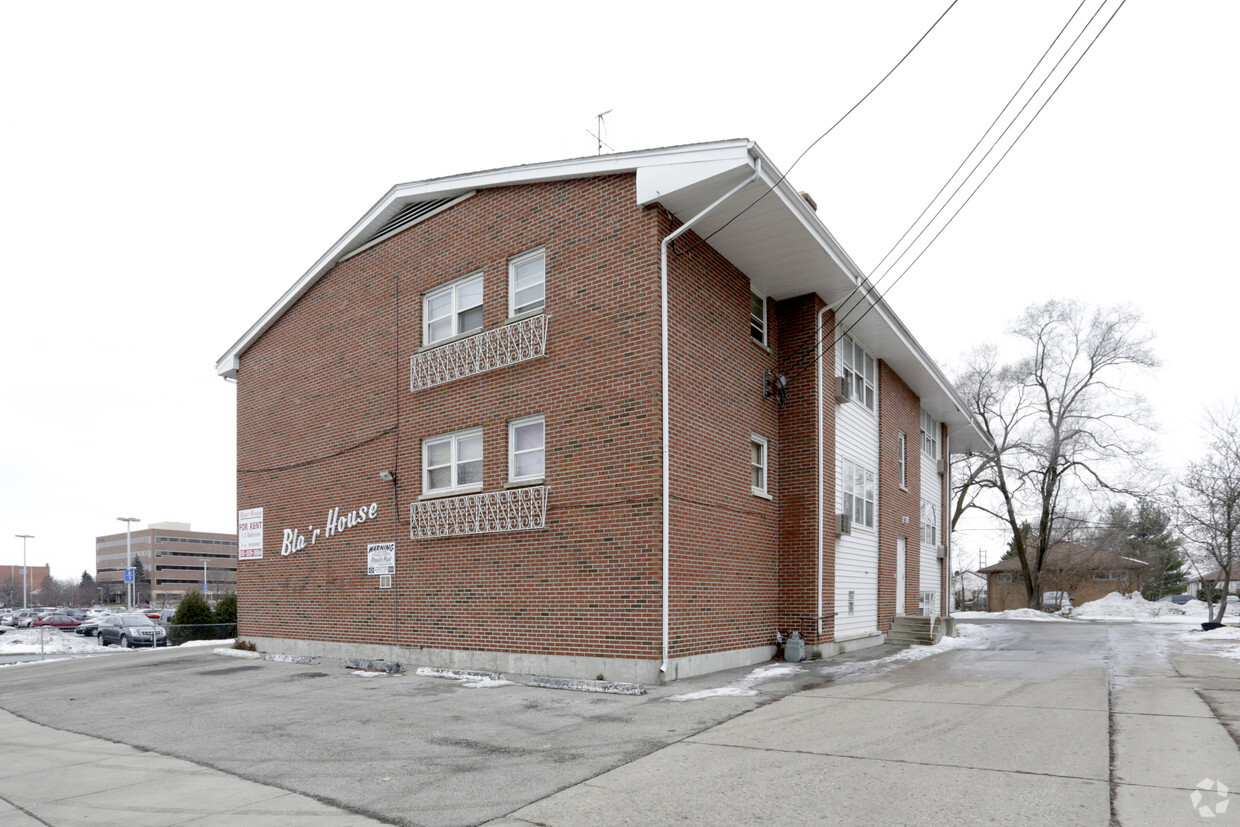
(62, 622)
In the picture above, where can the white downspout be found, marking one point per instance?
(822, 482)
(667, 431)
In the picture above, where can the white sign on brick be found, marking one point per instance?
(250, 534)
(381, 558)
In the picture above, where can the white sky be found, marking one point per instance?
(170, 169)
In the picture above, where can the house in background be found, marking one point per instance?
(1214, 580)
(626, 415)
(969, 591)
(1085, 574)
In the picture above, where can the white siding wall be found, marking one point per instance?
(856, 556)
(931, 489)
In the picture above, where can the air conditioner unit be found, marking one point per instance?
(844, 523)
(843, 389)
(942, 466)
(941, 552)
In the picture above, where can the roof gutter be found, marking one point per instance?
(667, 431)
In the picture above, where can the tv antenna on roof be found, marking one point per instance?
(598, 136)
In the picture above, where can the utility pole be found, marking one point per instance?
(25, 570)
(129, 521)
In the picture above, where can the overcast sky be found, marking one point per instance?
(171, 168)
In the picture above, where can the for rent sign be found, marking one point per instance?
(250, 534)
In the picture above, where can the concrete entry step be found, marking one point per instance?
(915, 630)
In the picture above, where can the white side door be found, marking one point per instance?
(901, 556)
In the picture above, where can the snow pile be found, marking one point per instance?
(46, 640)
(1116, 606)
(1009, 614)
(745, 686)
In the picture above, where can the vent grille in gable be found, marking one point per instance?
(409, 215)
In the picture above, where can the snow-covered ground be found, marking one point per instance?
(1114, 606)
(44, 642)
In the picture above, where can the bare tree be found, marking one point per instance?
(1061, 420)
(1208, 502)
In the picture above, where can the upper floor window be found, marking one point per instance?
(857, 486)
(452, 462)
(527, 282)
(759, 455)
(527, 447)
(757, 318)
(902, 458)
(929, 435)
(859, 371)
(452, 310)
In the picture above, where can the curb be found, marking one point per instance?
(606, 687)
(238, 653)
(456, 674)
(276, 656)
(377, 665)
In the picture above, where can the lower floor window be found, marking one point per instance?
(758, 454)
(452, 461)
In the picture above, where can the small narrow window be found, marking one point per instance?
(452, 462)
(527, 283)
(757, 318)
(452, 310)
(758, 464)
(929, 523)
(902, 459)
(526, 449)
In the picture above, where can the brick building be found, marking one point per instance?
(1085, 574)
(11, 582)
(612, 421)
(175, 560)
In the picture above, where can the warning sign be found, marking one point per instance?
(381, 558)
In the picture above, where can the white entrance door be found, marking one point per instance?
(901, 551)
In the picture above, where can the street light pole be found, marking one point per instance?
(129, 521)
(204, 579)
(25, 569)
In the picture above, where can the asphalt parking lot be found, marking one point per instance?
(1071, 723)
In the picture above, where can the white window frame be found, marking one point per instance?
(513, 477)
(929, 435)
(929, 523)
(454, 462)
(863, 377)
(863, 504)
(902, 459)
(760, 467)
(757, 324)
(452, 289)
(513, 264)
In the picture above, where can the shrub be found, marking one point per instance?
(193, 610)
(226, 609)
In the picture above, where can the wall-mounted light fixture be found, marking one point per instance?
(387, 476)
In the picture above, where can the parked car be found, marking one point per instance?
(65, 623)
(165, 617)
(1177, 599)
(1054, 601)
(25, 618)
(7, 618)
(131, 630)
(88, 627)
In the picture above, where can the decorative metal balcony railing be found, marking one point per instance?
(496, 348)
(516, 509)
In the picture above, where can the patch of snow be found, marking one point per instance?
(1010, 614)
(745, 686)
(33, 641)
(1116, 606)
(486, 683)
(225, 642)
(366, 673)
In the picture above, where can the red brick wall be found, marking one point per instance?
(724, 540)
(899, 411)
(323, 397)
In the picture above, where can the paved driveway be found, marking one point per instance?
(1069, 723)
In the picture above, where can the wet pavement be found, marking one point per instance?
(1074, 723)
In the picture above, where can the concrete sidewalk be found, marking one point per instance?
(50, 777)
(1067, 723)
